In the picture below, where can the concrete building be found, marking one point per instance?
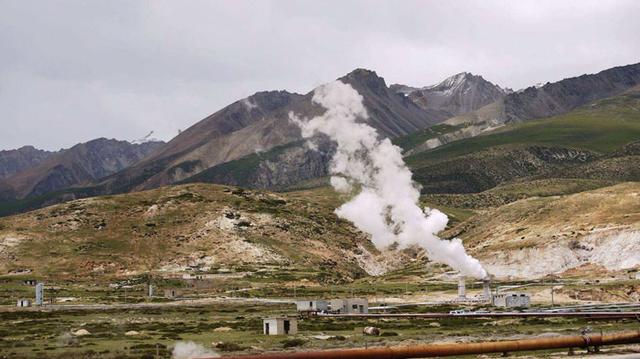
(172, 293)
(312, 305)
(40, 293)
(350, 306)
(24, 303)
(280, 326)
(512, 300)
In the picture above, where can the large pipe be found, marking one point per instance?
(440, 350)
(595, 315)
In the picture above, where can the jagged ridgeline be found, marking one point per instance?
(579, 128)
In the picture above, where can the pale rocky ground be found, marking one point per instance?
(598, 231)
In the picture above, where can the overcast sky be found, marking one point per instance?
(71, 71)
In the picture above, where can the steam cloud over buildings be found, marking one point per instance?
(386, 205)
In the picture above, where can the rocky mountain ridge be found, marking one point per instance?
(79, 165)
(18, 160)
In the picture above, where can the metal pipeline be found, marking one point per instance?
(442, 350)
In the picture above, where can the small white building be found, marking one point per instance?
(280, 326)
(312, 305)
(24, 303)
(512, 300)
(350, 306)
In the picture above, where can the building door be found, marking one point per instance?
(287, 325)
(266, 328)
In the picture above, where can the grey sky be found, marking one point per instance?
(71, 71)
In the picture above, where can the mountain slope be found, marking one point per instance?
(597, 141)
(79, 165)
(458, 94)
(14, 161)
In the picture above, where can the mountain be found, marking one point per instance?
(260, 123)
(79, 165)
(458, 94)
(14, 161)
(543, 101)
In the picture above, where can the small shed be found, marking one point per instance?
(280, 326)
(512, 300)
(172, 293)
(312, 305)
(350, 306)
(24, 303)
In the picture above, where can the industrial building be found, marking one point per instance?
(24, 303)
(40, 293)
(280, 326)
(512, 300)
(312, 305)
(171, 293)
(350, 306)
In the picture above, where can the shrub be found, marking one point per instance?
(295, 342)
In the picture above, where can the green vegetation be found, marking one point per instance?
(411, 141)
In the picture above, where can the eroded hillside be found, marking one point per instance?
(582, 234)
(190, 228)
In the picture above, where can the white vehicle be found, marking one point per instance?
(457, 312)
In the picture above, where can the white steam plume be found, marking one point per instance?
(191, 350)
(387, 205)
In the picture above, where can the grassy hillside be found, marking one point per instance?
(603, 127)
(597, 143)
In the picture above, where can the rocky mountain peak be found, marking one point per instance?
(455, 95)
(366, 78)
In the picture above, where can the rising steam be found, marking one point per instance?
(191, 350)
(386, 205)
